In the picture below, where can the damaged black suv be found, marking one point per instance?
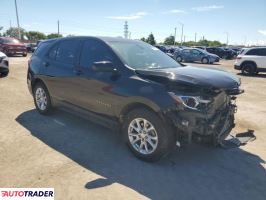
(156, 102)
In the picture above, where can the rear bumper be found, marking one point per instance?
(16, 51)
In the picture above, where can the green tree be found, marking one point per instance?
(35, 35)
(54, 35)
(14, 32)
(169, 40)
(151, 39)
(1, 28)
(143, 39)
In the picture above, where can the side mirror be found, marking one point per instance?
(103, 66)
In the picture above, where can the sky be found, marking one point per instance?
(244, 21)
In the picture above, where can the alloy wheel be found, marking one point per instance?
(142, 136)
(41, 98)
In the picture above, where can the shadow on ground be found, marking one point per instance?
(192, 172)
(260, 75)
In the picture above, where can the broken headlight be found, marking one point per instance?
(192, 102)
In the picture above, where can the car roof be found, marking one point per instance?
(106, 39)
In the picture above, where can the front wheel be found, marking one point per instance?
(179, 59)
(147, 135)
(42, 99)
(205, 60)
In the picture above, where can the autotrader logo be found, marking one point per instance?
(26, 193)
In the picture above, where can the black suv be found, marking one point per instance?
(222, 52)
(133, 86)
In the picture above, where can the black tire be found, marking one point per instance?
(4, 74)
(48, 107)
(179, 59)
(166, 139)
(24, 55)
(205, 60)
(248, 69)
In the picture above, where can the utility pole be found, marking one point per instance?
(58, 30)
(195, 38)
(126, 30)
(182, 33)
(227, 34)
(175, 35)
(19, 35)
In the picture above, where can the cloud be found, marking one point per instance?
(207, 8)
(263, 32)
(175, 11)
(137, 15)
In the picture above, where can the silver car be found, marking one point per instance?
(194, 54)
(4, 64)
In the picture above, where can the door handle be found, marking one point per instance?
(78, 72)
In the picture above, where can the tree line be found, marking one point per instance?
(28, 35)
(171, 41)
(36, 35)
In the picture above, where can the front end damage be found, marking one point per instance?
(211, 123)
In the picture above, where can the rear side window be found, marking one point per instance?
(255, 52)
(94, 51)
(66, 51)
(263, 52)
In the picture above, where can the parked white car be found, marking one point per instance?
(251, 61)
(4, 64)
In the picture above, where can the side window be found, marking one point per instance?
(195, 52)
(263, 52)
(67, 51)
(94, 51)
(186, 51)
(52, 52)
(252, 52)
(41, 49)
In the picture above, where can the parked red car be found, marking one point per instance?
(12, 46)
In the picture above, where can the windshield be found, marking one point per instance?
(11, 41)
(140, 55)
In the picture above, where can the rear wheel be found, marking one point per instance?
(147, 135)
(25, 55)
(42, 99)
(248, 69)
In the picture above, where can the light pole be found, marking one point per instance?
(227, 36)
(19, 36)
(175, 35)
(182, 32)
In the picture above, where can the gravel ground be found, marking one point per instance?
(82, 160)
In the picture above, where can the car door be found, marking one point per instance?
(95, 91)
(186, 55)
(195, 55)
(58, 69)
(261, 59)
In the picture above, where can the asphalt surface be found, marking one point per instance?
(82, 160)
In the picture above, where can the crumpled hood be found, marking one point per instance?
(198, 76)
